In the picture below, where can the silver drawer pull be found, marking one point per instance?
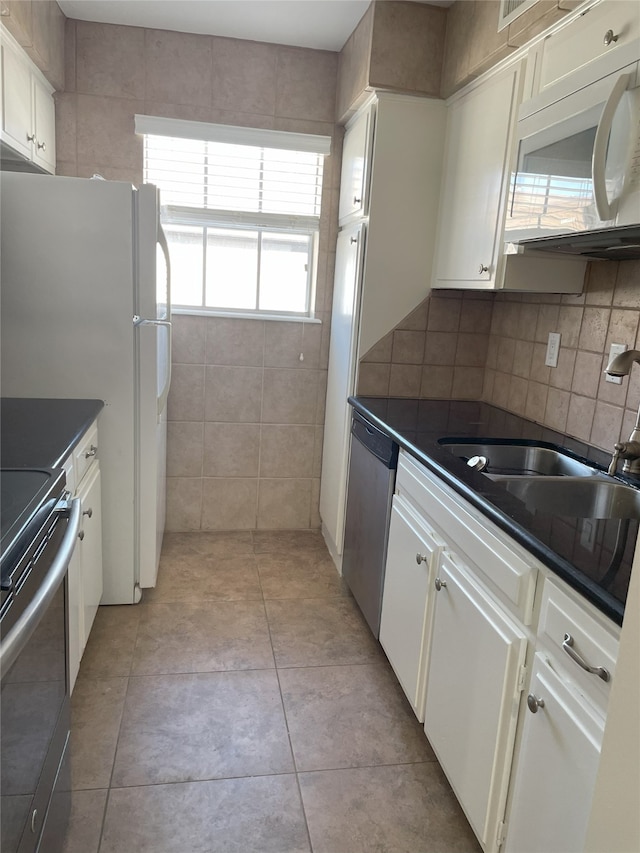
(81, 535)
(534, 702)
(91, 452)
(600, 671)
(88, 512)
(610, 38)
(440, 584)
(421, 558)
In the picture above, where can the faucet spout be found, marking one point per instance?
(629, 450)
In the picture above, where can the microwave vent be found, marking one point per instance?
(512, 9)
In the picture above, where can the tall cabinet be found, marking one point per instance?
(389, 196)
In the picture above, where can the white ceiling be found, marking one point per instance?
(319, 24)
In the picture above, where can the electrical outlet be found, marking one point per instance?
(553, 348)
(616, 349)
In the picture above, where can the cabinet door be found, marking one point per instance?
(90, 549)
(355, 161)
(16, 90)
(76, 631)
(473, 691)
(341, 381)
(44, 153)
(405, 602)
(556, 772)
(475, 183)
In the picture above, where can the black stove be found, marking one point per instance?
(27, 500)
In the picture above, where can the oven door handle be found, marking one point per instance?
(20, 634)
(605, 209)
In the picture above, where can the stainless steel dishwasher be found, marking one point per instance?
(372, 474)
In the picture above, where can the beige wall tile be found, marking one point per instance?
(283, 344)
(627, 292)
(233, 394)
(404, 380)
(593, 332)
(557, 409)
(287, 450)
(244, 75)
(416, 321)
(313, 355)
(580, 416)
(231, 449)
(569, 322)
(436, 382)
(467, 383)
(188, 336)
(586, 376)
(66, 128)
(444, 314)
(70, 55)
(548, 318)
(186, 397)
(539, 370)
(184, 503)
(184, 448)
(234, 342)
(501, 386)
(229, 504)
(284, 504)
(440, 348)
(178, 67)
(475, 315)
(562, 375)
(290, 396)
(600, 282)
(373, 379)
(536, 403)
(518, 393)
(408, 347)
(527, 322)
(105, 132)
(306, 83)
(472, 350)
(623, 328)
(316, 468)
(607, 425)
(407, 47)
(506, 354)
(353, 66)
(522, 358)
(110, 60)
(381, 352)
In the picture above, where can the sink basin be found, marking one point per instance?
(519, 459)
(575, 497)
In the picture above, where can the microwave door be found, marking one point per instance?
(552, 189)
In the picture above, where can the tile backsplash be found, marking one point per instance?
(492, 347)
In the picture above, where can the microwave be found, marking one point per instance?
(577, 168)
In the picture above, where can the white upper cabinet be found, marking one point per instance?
(355, 166)
(28, 109)
(599, 42)
(475, 183)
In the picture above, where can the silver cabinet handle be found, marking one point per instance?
(482, 268)
(440, 584)
(609, 38)
(31, 137)
(534, 702)
(81, 535)
(91, 452)
(88, 512)
(357, 200)
(42, 146)
(600, 671)
(353, 240)
(421, 558)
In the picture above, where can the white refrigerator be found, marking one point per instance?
(85, 313)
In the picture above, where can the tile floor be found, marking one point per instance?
(244, 707)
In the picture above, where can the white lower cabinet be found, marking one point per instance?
(509, 666)
(411, 552)
(473, 690)
(85, 570)
(557, 766)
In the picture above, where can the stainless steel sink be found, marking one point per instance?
(575, 497)
(518, 459)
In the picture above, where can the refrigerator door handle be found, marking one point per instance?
(142, 321)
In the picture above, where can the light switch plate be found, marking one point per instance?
(553, 348)
(616, 349)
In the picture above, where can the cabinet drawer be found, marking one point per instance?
(583, 41)
(85, 452)
(510, 572)
(594, 641)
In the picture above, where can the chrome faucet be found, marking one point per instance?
(629, 451)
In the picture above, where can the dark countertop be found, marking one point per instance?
(38, 433)
(555, 540)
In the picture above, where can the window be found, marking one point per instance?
(241, 212)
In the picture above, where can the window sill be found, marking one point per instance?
(239, 315)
